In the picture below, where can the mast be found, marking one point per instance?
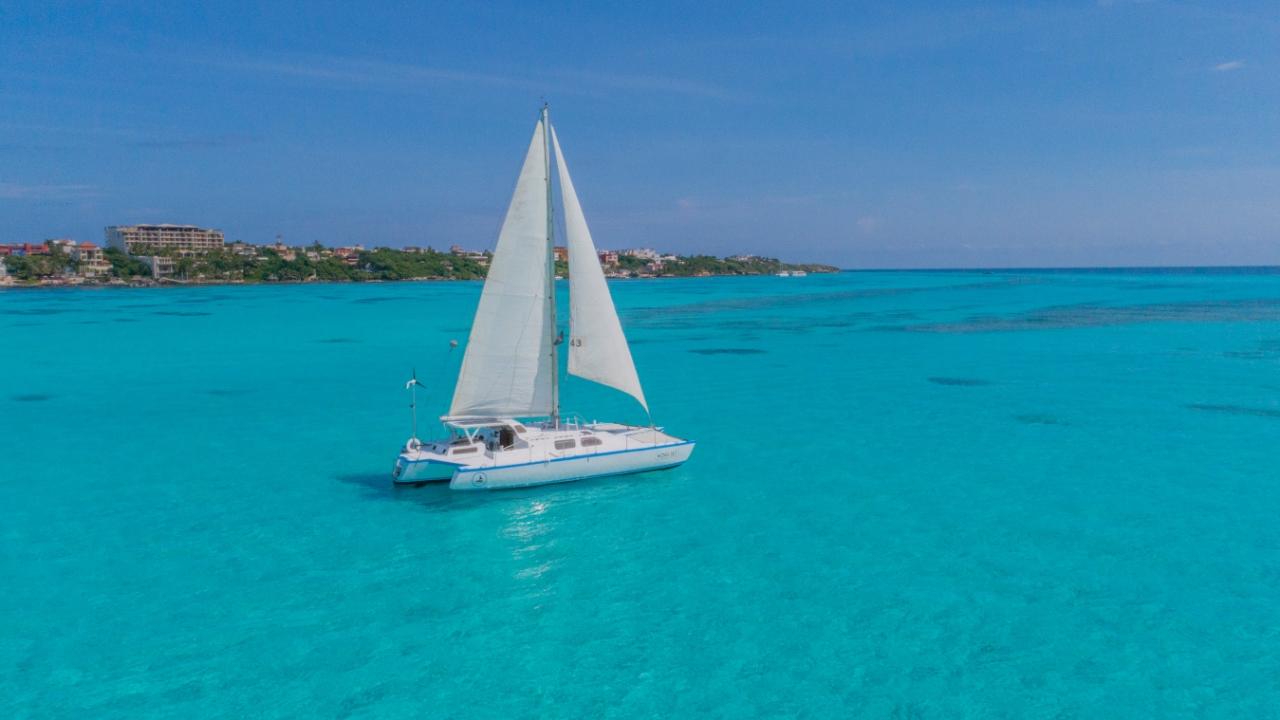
(551, 270)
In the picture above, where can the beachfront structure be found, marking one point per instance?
(185, 238)
(480, 257)
(24, 249)
(91, 260)
(607, 257)
(642, 253)
(161, 266)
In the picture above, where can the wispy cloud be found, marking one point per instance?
(347, 72)
(21, 191)
(1229, 66)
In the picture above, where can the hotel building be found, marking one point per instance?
(134, 239)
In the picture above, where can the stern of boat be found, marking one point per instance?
(416, 468)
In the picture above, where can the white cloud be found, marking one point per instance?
(1229, 66)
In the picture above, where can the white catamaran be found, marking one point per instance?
(504, 422)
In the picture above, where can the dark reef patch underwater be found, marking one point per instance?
(727, 351)
(959, 381)
(1235, 410)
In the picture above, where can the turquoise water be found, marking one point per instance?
(915, 495)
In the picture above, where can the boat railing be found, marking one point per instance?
(572, 421)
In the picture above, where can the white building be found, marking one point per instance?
(642, 253)
(187, 238)
(161, 266)
(91, 259)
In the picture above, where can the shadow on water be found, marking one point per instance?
(431, 496)
(32, 397)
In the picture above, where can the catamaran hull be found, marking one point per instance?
(566, 469)
(421, 472)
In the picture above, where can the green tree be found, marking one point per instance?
(125, 266)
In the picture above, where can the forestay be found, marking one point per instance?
(598, 350)
(508, 369)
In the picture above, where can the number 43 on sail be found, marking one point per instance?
(505, 427)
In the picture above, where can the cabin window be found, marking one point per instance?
(565, 444)
(463, 450)
(519, 429)
(591, 442)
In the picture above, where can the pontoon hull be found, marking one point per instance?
(421, 472)
(575, 467)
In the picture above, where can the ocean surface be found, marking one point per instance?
(1008, 494)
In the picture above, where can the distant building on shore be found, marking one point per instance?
(160, 266)
(24, 249)
(187, 238)
(642, 253)
(91, 260)
(480, 256)
(561, 253)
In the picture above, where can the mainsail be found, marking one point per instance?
(598, 350)
(509, 368)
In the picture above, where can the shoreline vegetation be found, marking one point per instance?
(241, 263)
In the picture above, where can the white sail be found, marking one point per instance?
(509, 368)
(598, 350)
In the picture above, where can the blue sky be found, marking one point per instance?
(866, 135)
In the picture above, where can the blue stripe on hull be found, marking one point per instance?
(575, 478)
(487, 468)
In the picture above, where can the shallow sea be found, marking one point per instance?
(915, 495)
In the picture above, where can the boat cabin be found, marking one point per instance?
(492, 434)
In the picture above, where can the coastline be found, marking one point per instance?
(148, 283)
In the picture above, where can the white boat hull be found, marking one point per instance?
(420, 472)
(575, 467)
(495, 454)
